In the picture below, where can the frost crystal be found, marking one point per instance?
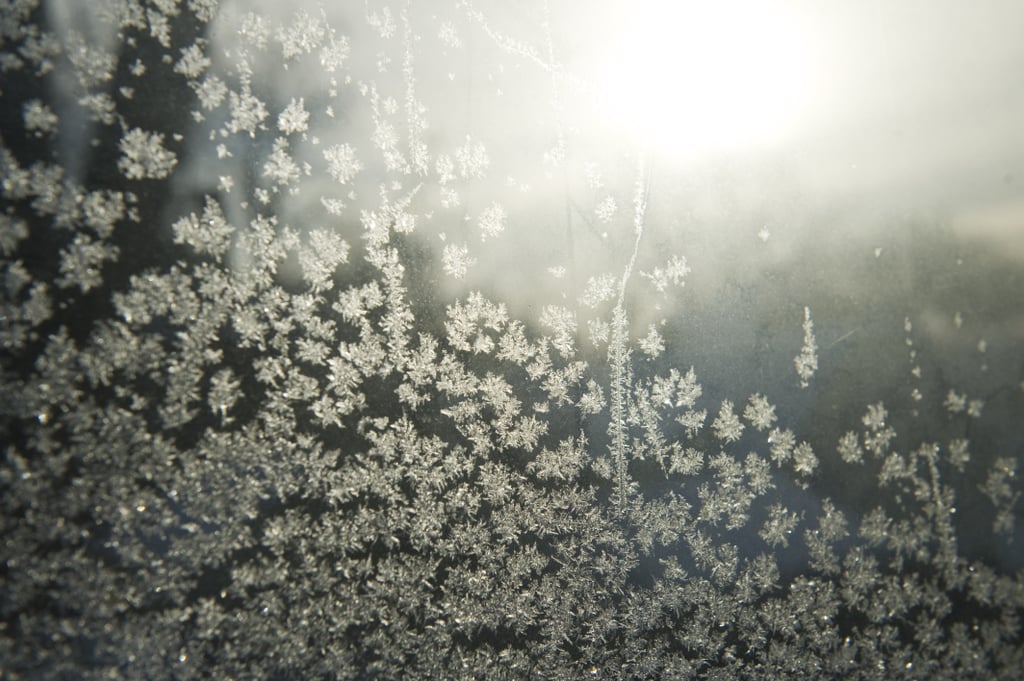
(491, 221)
(804, 460)
(211, 92)
(727, 426)
(779, 526)
(673, 274)
(806, 362)
(850, 449)
(955, 403)
(652, 344)
(334, 55)
(143, 156)
(457, 260)
(599, 290)
(304, 35)
(473, 159)
(759, 412)
(193, 61)
(280, 168)
(325, 253)
(209, 233)
(466, 323)
(782, 443)
(342, 164)
(39, 118)
(562, 323)
(247, 112)
(606, 209)
(294, 118)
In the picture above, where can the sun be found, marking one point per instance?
(684, 78)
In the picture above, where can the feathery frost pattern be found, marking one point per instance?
(806, 362)
(331, 349)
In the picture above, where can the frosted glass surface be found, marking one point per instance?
(507, 340)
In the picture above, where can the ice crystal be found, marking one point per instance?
(81, 263)
(326, 251)
(143, 156)
(211, 92)
(782, 443)
(467, 323)
(879, 435)
(334, 55)
(93, 65)
(955, 403)
(247, 112)
(779, 526)
(958, 453)
(294, 118)
(693, 420)
(652, 344)
(672, 274)
(759, 412)
(12, 232)
(974, 408)
(280, 168)
(599, 290)
(40, 118)
(727, 425)
(804, 460)
(457, 260)
(342, 163)
(193, 61)
(473, 159)
(562, 323)
(207, 233)
(491, 221)
(606, 209)
(302, 36)
(997, 487)
(807, 361)
(850, 449)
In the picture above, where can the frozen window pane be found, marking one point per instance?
(627, 340)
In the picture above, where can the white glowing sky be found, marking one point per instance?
(908, 105)
(692, 77)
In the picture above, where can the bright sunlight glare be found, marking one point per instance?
(684, 78)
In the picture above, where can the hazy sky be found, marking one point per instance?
(923, 97)
(905, 106)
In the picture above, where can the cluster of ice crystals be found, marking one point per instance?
(312, 366)
(143, 155)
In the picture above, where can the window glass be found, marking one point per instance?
(511, 339)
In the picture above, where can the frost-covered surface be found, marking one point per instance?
(319, 363)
